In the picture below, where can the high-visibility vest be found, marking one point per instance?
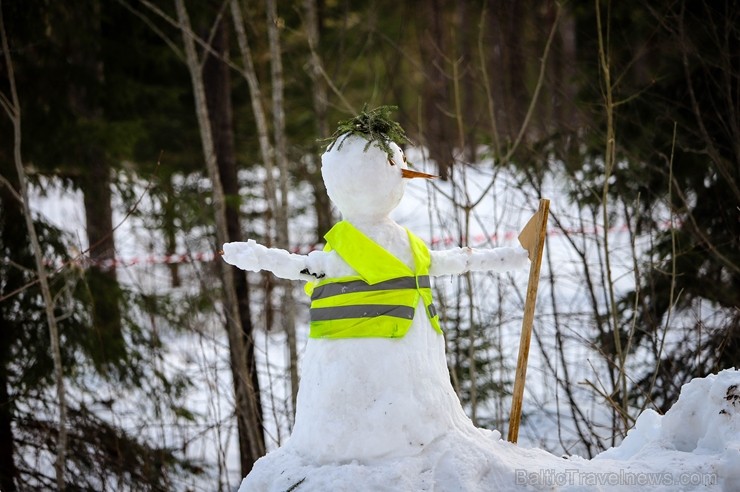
(378, 302)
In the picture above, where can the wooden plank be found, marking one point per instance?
(532, 238)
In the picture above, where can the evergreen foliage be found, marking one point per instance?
(101, 453)
(374, 125)
(136, 107)
(677, 137)
(698, 260)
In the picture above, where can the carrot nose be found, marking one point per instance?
(409, 173)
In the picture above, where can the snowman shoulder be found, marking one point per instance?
(327, 264)
(449, 261)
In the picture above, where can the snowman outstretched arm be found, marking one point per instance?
(254, 257)
(460, 260)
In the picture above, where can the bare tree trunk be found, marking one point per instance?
(282, 213)
(469, 116)
(278, 205)
(255, 96)
(566, 89)
(218, 95)
(217, 81)
(170, 240)
(434, 92)
(507, 70)
(319, 96)
(101, 276)
(13, 109)
(251, 435)
(263, 138)
(96, 187)
(322, 205)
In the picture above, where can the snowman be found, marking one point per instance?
(374, 380)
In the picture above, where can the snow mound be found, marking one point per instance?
(694, 446)
(704, 422)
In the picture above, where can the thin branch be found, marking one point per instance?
(214, 29)
(189, 33)
(9, 185)
(7, 106)
(173, 46)
(319, 67)
(532, 103)
(672, 299)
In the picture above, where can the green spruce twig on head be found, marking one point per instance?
(375, 125)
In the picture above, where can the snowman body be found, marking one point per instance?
(345, 401)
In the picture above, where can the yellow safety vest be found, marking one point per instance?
(381, 300)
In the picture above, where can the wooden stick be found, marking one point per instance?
(532, 238)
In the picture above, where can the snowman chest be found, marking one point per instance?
(381, 299)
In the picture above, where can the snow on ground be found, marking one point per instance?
(694, 446)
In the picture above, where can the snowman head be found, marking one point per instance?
(364, 169)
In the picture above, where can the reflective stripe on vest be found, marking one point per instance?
(361, 311)
(378, 302)
(348, 287)
(367, 310)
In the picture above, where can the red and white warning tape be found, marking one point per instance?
(475, 241)
(152, 259)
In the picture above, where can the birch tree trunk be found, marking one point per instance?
(251, 435)
(263, 138)
(270, 157)
(217, 79)
(13, 109)
(282, 212)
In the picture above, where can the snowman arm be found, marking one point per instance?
(254, 257)
(460, 260)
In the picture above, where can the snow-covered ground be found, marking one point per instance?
(694, 446)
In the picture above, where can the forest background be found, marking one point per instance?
(199, 122)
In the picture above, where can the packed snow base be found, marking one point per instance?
(381, 413)
(694, 446)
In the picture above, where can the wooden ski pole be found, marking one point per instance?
(532, 238)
